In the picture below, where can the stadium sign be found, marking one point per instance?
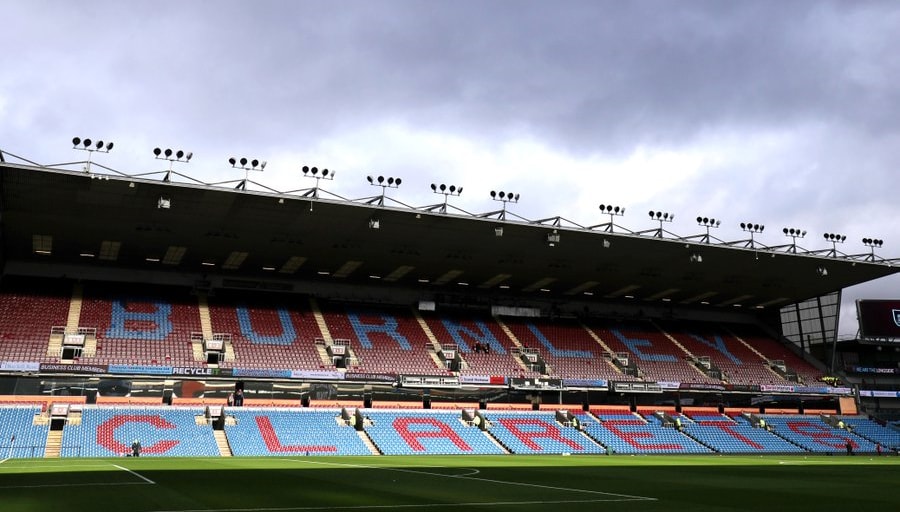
(19, 366)
(261, 373)
(879, 319)
(74, 368)
(203, 372)
(137, 369)
(316, 374)
(428, 381)
(498, 380)
(636, 387)
(585, 383)
(865, 369)
(377, 377)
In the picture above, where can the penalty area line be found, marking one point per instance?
(142, 477)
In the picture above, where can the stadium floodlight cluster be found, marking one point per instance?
(451, 190)
(247, 166)
(871, 242)
(752, 228)
(173, 156)
(446, 191)
(503, 197)
(91, 147)
(253, 164)
(314, 173)
(381, 181)
(386, 182)
(710, 222)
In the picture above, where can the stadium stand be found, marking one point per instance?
(28, 310)
(656, 356)
(23, 432)
(385, 340)
(565, 346)
(625, 432)
(813, 434)
(465, 330)
(162, 431)
(538, 432)
(774, 350)
(410, 432)
(726, 435)
(889, 438)
(273, 432)
(267, 332)
(149, 327)
(739, 363)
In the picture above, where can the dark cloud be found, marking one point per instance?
(810, 85)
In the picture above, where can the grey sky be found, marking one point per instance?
(782, 113)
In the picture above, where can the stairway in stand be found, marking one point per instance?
(54, 444)
(222, 442)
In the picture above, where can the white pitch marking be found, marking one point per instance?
(420, 505)
(466, 477)
(142, 477)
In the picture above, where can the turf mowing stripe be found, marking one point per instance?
(628, 497)
(418, 505)
(142, 477)
(32, 466)
(95, 484)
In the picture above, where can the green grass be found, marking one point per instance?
(513, 483)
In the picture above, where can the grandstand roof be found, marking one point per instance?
(117, 222)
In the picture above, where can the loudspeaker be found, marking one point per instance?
(239, 385)
(167, 397)
(482, 404)
(304, 401)
(367, 401)
(426, 404)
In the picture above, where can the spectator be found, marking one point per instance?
(849, 447)
(136, 448)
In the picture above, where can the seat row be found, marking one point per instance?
(155, 327)
(102, 431)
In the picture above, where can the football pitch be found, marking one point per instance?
(513, 483)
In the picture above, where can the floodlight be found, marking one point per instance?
(91, 148)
